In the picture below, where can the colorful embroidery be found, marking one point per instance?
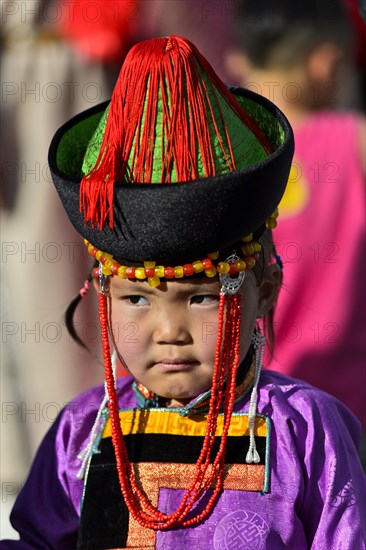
(163, 448)
(162, 421)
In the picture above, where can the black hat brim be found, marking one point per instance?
(168, 222)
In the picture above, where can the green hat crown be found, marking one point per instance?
(170, 120)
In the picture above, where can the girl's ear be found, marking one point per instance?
(268, 289)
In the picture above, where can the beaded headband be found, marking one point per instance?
(153, 273)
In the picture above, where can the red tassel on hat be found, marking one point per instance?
(167, 69)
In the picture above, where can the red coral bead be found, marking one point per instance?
(169, 273)
(150, 272)
(207, 264)
(130, 272)
(114, 269)
(233, 269)
(188, 270)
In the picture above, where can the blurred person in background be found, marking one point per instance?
(292, 52)
(208, 24)
(58, 58)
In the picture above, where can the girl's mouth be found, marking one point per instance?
(176, 364)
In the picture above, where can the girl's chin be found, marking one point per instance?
(178, 387)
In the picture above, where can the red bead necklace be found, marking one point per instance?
(225, 369)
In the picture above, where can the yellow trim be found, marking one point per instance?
(170, 422)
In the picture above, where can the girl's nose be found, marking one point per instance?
(171, 327)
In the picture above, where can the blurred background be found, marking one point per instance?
(60, 57)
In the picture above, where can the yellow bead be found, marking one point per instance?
(197, 266)
(213, 255)
(257, 247)
(248, 238)
(86, 242)
(271, 223)
(149, 264)
(153, 281)
(108, 264)
(241, 265)
(178, 271)
(223, 268)
(211, 272)
(251, 262)
(98, 255)
(122, 271)
(106, 270)
(159, 271)
(140, 273)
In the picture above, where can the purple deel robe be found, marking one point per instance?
(317, 489)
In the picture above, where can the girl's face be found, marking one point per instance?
(167, 335)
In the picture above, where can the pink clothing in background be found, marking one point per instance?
(320, 315)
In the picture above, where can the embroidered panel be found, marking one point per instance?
(163, 448)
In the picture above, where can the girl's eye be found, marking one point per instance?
(136, 300)
(205, 299)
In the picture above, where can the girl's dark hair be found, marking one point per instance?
(70, 312)
(268, 257)
(288, 30)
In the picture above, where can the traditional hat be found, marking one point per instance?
(175, 169)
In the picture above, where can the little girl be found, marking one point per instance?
(174, 186)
